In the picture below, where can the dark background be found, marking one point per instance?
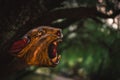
(91, 44)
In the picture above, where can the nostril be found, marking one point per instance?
(58, 33)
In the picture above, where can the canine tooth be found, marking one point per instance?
(55, 43)
(54, 59)
(59, 57)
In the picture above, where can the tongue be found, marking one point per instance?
(54, 51)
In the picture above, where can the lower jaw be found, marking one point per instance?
(56, 59)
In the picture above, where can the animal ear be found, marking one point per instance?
(18, 45)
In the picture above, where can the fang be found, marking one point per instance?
(55, 43)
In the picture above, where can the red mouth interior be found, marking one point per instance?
(52, 51)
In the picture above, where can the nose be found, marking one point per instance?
(59, 33)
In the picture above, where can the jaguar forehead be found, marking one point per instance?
(47, 27)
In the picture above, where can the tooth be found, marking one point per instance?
(59, 57)
(55, 43)
(54, 59)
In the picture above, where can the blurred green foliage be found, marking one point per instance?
(90, 48)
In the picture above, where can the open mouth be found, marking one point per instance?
(53, 52)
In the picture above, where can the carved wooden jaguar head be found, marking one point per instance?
(39, 46)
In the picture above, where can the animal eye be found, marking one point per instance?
(41, 32)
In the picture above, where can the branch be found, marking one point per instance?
(73, 13)
(102, 15)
